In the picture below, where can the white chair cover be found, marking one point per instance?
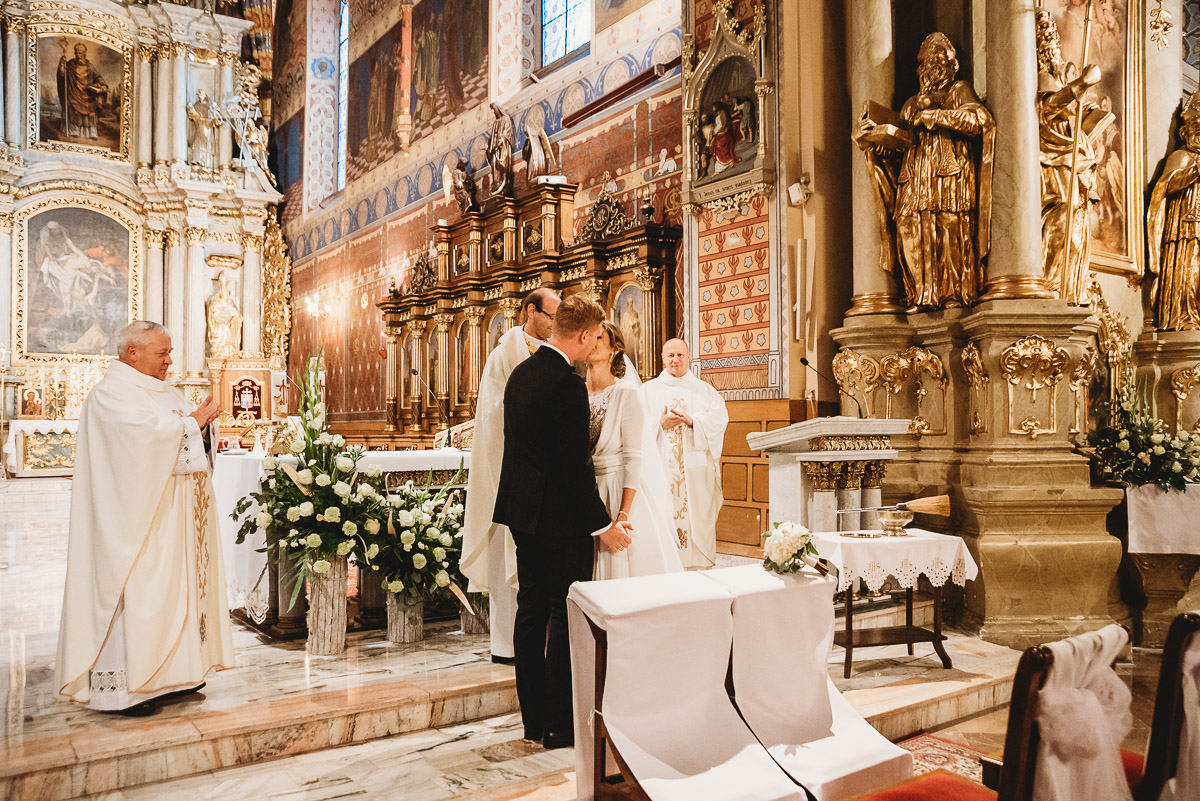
(1186, 783)
(1083, 715)
(782, 636)
(665, 704)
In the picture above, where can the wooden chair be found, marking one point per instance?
(1162, 755)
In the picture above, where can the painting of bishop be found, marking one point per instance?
(450, 61)
(79, 91)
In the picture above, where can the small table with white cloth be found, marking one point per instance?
(237, 475)
(940, 557)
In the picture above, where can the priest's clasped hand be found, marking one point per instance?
(670, 419)
(616, 537)
(207, 412)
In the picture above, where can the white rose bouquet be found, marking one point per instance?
(415, 552)
(788, 547)
(1137, 448)
(322, 507)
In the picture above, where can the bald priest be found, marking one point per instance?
(144, 610)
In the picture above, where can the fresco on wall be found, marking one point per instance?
(450, 61)
(610, 12)
(372, 134)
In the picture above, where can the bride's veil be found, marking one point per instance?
(654, 477)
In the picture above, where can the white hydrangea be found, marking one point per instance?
(373, 551)
(407, 537)
(419, 561)
(333, 514)
(349, 528)
(439, 555)
(372, 526)
(269, 463)
(442, 578)
(320, 566)
(298, 446)
(395, 586)
(293, 514)
(434, 532)
(345, 548)
(313, 541)
(323, 480)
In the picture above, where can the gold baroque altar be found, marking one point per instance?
(441, 324)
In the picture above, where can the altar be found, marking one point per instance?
(251, 575)
(40, 448)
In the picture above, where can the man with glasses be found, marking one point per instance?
(489, 557)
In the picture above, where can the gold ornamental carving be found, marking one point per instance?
(50, 450)
(1183, 382)
(155, 238)
(823, 475)
(1112, 339)
(914, 363)
(851, 475)
(850, 443)
(1081, 376)
(1174, 235)
(252, 241)
(931, 168)
(473, 313)
(276, 292)
(195, 236)
(857, 375)
(874, 473)
(978, 382)
(443, 321)
(223, 261)
(172, 237)
(1034, 363)
(594, 289)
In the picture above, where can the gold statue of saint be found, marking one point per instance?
(938, 200)
(224, 321)
(1063, 146)
(1173, 230)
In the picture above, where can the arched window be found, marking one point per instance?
(566, 29)
(343, 89)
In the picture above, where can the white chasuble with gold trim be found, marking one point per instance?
(144, 608)
(692, 457)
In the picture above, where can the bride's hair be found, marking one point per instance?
(616, 341)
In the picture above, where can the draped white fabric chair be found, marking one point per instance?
(782, 636)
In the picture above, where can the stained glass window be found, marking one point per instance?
(566, 27)
(343, 88)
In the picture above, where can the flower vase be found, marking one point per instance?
(477, 623)
(404, 623)
(327, 610)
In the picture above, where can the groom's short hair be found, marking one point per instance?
(576, 314)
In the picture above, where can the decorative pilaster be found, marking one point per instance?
(849, 495)
(143, 87)
(252, 251)
(154, 287)
(225, 132)
(176, 292)
(822, 478)
(195, 321)
(441, 379)
(179, 102)
(649, 281)
(162, 105)
(511, 308)
(391, 376)
(873, 473)
(474, 352)
(416, 331)
(13, 80)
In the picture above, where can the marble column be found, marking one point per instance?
(849, 495)
(872, 494)
(179, 102)
(474, 354)
(252, 249)
(13, 80)
(144, 90)
(154, 286)
(872, 72)
(162, 105)
(175, 281)
(5, 91)
(225, 141)
(441, 379)
(511, 308)
(416, 330)
(1015, 263)
(822, 502)
(198, 286)
(6, 227)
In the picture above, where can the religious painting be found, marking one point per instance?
(76, 277)
(81, 92)
(32, 407)
(610, 12)
(247, 398)
(495, 330)
(450, 61)
(495, 247)
(373, 135)
(462, 358)
(728, 121)
(627, 316)
(462, 259)
(1115, 47)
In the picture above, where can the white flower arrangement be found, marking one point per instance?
(785, 547)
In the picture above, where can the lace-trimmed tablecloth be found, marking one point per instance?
(939, 556)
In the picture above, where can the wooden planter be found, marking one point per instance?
(405, 624)
(478, 623)
(327, 610)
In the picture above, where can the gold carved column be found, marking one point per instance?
(648, 281)
(416, 343)
(474, 352)
(392, 380)
(511, 308)
(441, 379)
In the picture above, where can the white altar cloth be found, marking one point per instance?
(665, 704)
(940, 557)
(237, 475)
(1163, 522)
(14, 460)
(782, 636)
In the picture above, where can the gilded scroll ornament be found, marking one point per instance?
(1112, 338)
(423, 277)
(978, 382)
(1035, 360)
(1070, 128)
(1173, 231)
(605, 218)
(1183, 382)
(823, 475)
(276, 292)
(914, 362)
(938, 197)
(856, 374)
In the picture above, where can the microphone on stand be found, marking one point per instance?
(442, 415)
(804, 360)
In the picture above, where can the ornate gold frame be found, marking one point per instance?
(20, 267)
(52, 17)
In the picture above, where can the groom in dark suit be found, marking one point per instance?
(547, 497)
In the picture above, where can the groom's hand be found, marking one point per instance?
(616, 537)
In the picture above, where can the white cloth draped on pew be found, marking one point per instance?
(1083, 715)
(782, 635)
(664, 703)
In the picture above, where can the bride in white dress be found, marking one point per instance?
(629, 475)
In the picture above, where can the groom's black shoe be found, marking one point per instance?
(554, 740)
(504, 660)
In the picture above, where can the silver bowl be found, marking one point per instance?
(894, 521)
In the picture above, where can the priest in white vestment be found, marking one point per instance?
(144, 609)
(489, 556)
(691, 433)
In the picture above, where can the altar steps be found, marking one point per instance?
(284, 703)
